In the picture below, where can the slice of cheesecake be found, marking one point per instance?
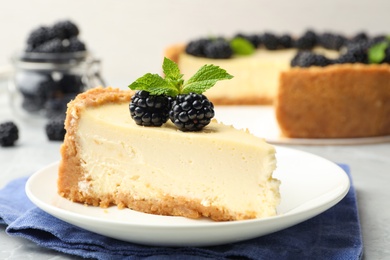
(220, 172)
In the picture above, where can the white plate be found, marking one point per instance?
(310, 185)
(261, 121)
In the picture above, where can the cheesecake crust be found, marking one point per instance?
(337, 101)
(70, 172)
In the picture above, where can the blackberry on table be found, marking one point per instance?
(54, 128)
(9, 133)
(191, 112)
(149, 110)
(218, 49)
(270, 41)
(307, 59)
(197, 47)
(307, 41)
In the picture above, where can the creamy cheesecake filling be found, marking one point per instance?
(255, 75)
(119, 157)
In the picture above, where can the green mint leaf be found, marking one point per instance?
(171, 70)
(173, 83)
(172, 74)
(377, 52)
(241, 46)
(204, 78)
(154, 84)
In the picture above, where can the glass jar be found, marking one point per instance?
(43, 83)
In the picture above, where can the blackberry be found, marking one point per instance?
(191, 112)
(286, 41)
(35, 88)
(70, 84)
(57, 106)
(307, 58)
(361, 36)
(54, 128)
(49, 39)
(52, 46)
(270, 41)
(66, 29)
(307, 41)
(9, 133)
(387, 56)
(197, 47)
(76, 44)
(38, 36)
(149, 110)
(218, 49)
(377, 39)
(356, 53)
(332, 41)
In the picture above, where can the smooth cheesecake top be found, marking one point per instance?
(116, 113)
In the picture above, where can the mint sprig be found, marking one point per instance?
(377, 52)
(242, 46)
(173, 83)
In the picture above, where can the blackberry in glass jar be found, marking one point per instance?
(43, 83)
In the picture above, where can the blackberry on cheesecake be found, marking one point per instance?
(189, 110)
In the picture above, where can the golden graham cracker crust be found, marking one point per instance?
(71, 173)
(70, 170)
(337, 101)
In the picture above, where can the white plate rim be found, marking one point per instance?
(217, 232)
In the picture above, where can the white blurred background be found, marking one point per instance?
(130, 36)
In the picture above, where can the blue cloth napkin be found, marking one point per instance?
(334, 234)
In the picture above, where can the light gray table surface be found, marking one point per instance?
(370, 168)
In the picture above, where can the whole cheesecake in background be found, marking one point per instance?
(107, 159)
(322, 85)
(256, 60)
